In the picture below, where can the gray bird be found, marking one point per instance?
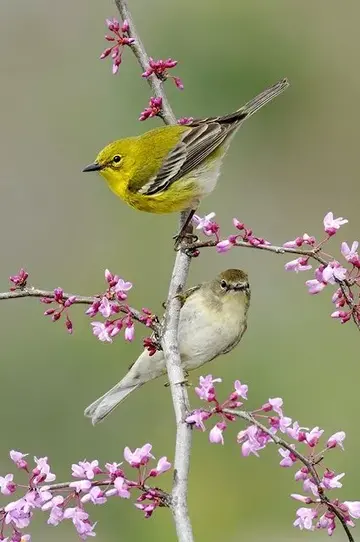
(213, 318)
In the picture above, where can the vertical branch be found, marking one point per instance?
(169, 340)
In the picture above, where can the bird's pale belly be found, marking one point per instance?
(202, 336)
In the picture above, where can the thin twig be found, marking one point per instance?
(80, 300)
(248, 417)
(169, 340)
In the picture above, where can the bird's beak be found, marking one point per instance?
(93, 167)
(241, 286)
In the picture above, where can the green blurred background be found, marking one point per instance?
(288, 166)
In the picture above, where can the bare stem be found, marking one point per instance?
(309, 464)
(169, 340)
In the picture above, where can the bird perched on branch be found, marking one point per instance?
(213, 319)
(172, 168)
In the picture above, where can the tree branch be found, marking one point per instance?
(169, 340)
(80, 300)
(309, 464)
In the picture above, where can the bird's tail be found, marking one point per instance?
(256, 103)
(99, 409)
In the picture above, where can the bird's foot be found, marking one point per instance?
(183, 239)
(186, 382)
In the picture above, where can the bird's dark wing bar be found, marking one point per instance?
(195, 146)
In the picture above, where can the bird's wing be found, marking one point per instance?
(194, 147)
(184, 296)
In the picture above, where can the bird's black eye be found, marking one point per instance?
(116, 158)
(223, 284)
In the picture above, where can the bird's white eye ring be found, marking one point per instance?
(117, 158)
(223, 284)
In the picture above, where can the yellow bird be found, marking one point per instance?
(172, 168)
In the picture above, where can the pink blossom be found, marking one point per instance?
(350, 254)
(274, 404)
(42, 471)
(80, 520)
(129, 332)
(121, 288)
(288, 458)
(354, 508)
(114, 469)
(140, 456)
(341, 315)
(216, 433)
(296, 432)
(299, 241)
(20, 279)
(147, 508)
(309, 485)
(206, 224)
(312, 437)
(301, 474)
(300, 264)
(95, 495)
(334, 272)
(7, 485)
(105, 307)
(197, 418)
(238, 225)
(18, 459)
(314, 286)
(305, 517)
(120, 489)
(301, 498)
(282, 423)
(224, 246)
(331, 224)
(241, 389)
(327, 521)
(101, 331)
(336, 439)
(162, 466)
(330, 481)
(206, 390)
(252, 440)
(85, 469)
(56, 515)
(154, 108)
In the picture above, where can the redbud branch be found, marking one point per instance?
(165, 497)
(311, 254)
(308, 463)
(169, 340)
(138, 49)
(80, 300)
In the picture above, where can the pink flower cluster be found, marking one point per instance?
(120, 39)
(260, 433)
(160, 69)
(92, 484)
(111, 303)
(63, 304)
(153, 109)
(19, 280)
